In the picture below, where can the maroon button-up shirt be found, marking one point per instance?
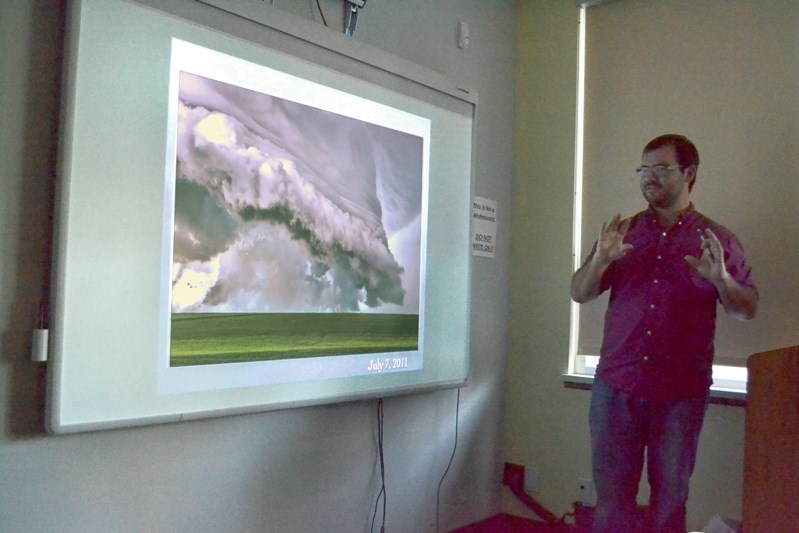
(661, 316)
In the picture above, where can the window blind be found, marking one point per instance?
(725, 73)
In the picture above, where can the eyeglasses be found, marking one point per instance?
(660, 170)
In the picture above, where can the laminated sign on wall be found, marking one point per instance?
(484, 226)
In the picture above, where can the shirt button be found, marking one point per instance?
(651, 306)
(655, 281)
(664, 233)
(649, 333)
(660, 257)
(646, 358)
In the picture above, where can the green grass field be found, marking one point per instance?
(214, 338)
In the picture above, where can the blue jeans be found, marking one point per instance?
(621, 428)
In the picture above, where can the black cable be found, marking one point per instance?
(455, 447)
(382, 468)
(321, 12)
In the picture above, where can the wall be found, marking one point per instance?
(311, 469)
(547, 424)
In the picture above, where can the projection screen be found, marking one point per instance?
(248, 222)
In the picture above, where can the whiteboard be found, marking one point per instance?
(137, 79)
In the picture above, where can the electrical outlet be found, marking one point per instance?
(530, 480)
(585, 491)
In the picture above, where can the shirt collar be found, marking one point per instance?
(685, 216)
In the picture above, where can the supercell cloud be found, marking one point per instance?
(284, 207)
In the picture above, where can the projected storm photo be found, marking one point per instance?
(298, 231)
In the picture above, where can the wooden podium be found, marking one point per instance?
(771, 448)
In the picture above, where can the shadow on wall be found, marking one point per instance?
(30, 248)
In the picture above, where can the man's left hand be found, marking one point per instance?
(710, 265)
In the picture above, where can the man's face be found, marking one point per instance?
(670, 189)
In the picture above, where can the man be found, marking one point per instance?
(666, 268)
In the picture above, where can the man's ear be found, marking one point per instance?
(690, 176)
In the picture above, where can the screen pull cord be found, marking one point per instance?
(382, 492)
(449, 464)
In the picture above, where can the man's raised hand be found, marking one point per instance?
(610, 245)
(710, 264)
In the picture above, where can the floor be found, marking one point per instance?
(505, 523)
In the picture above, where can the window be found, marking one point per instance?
(665, 66)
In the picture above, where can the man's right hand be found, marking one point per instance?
(610, 245)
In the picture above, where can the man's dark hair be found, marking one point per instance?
(687, 154)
